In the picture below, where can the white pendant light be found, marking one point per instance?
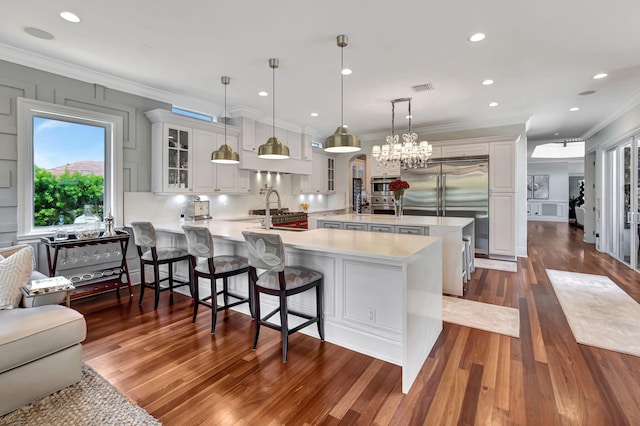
(273, 149)
(341, 140)
(225, 154)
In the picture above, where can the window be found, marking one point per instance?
(192, 114)
(67, 158)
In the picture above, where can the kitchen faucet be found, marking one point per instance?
(267, 219)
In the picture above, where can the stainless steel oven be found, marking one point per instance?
(381, 197)
(380, 185)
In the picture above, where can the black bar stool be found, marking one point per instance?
(266, 251)
(144, 236)
(200, 245)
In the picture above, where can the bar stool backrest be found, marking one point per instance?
(144, 234)
(266, 251)
(199, 241)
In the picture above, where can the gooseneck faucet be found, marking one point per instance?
(267, 219)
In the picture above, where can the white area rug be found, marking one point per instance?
(500, 265)
(599, 312)
(483, 316)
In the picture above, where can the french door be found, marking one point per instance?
(622, 203)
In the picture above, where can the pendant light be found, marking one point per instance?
(342, 140)
(273, 149)
(225, 154)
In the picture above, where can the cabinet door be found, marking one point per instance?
(355, 226)
(300, 184)
(319, 174)
(412, 230)
(375, 227)
(329, 224)
(502, 224)
(248, 134)
(294, 142)
(502, 167)
(467, 150)
(177, 175)
(306, 148)
(262, 135)
(227, 174)
(204, 179)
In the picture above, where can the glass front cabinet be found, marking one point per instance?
(176, 162)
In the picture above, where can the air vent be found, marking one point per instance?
(422, 87)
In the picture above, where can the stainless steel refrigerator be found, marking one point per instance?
(456, 188)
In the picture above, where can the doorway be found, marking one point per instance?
(621, 203)
(358, 188)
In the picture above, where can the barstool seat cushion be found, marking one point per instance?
(295, 276)
(223, 263)
(165, 253)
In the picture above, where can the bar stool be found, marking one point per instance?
(200, 245)
(266, 251)
(144, 236)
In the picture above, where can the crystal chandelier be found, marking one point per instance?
(409, 154)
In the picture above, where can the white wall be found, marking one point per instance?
(558, 173)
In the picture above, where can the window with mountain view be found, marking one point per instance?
(68, 165)
(67, 158)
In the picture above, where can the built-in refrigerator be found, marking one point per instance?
(455, 188)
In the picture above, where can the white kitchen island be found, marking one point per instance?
(450, 229)
(382, 292)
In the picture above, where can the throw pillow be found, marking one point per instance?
(14, 273)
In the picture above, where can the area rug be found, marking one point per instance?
(483, 316)
(92, 401)
(599, 312)
(499, 265)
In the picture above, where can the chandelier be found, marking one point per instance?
(408, 154)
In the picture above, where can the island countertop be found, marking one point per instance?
(405, 220)
(390, 246)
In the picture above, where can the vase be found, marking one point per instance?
(397, 207)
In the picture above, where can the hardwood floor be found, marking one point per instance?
(183, 375)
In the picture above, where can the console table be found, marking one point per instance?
(92, 282)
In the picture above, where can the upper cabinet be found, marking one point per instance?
(502, 166)
(180, 156)
(320, 181)
(254, 133)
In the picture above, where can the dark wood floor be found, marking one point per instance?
(183, 375)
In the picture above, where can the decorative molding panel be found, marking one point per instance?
(9, 91)
(127, 113)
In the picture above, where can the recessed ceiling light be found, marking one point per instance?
(493, 104)
(37, 32)
(487, 82)
(263, 93)
(314, 114)
(477, 37)
(574, 109)
(70, 17)
(346, 71)
(601, 75)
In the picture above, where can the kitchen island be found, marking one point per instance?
(382, 292)
(450, 229)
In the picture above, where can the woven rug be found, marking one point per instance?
(483, 316)
(92, 401)
(499, 265)
(599, 312)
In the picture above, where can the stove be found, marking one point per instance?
(285, 218)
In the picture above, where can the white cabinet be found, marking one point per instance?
(413, 230)
(329, 224)
(502, 224)
(380, 169)
(502, 167)
(171, 158)
(306, 147)
(379, 227)
(181, 156)
(322, 177)
(355, 226)
(465, 150)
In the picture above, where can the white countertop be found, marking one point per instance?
(371, 244)
(406, 220)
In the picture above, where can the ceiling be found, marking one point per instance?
(541, 55)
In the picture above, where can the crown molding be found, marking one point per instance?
(618, 112)
(244, 111)
(65, 69)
